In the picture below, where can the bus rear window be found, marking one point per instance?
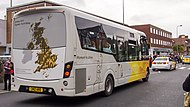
(39, 30)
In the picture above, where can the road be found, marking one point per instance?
(164, 89)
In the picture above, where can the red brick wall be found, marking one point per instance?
(146, 30)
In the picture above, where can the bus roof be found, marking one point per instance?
(125, 26)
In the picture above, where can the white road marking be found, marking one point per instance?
(182, 67)
(188, 68)
(1, 92)
(155, 72)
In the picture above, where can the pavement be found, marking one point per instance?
(1, 88)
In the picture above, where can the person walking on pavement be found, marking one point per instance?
(7, 75)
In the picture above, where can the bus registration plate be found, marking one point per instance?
(35, 89)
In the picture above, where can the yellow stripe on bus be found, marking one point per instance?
(138, 70)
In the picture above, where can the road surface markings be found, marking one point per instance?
(182, 67)
(1, 92)
(155, 72)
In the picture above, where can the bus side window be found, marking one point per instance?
(132, 50)
(144, 48)
(106, 46)
(121, 50)
(126, 50)
(113, 45)
(109, 44)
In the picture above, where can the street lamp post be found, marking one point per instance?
(177, 35)
(123, 13)
(11, 3)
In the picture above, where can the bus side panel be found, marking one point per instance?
(138, 70)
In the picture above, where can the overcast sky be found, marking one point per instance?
(165, 14)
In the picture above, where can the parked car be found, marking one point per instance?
(186, 59)
(163, 63)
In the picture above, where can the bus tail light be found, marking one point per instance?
(67, 69)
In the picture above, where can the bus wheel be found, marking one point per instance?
(147, 76)
(109, 85)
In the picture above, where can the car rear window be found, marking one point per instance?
(186, 56)
(161, 59)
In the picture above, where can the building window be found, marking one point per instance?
(154, 31)
(164, 42)
(151, 40)
(150, 30)
(161, 33)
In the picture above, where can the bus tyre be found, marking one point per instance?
(109, 85)
(147, 76)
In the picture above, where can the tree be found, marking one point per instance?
(178, 48)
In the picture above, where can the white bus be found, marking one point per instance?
(67, 52)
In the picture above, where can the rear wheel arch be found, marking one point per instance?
(109, 75)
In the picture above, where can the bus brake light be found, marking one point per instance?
(67, 70)
(67, 73)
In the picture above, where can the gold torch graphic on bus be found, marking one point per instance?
(45, 58)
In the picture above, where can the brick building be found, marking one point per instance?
(159, 39)
(12, 10)
(185, 42)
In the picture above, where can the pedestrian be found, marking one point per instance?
(186, 84)
(12, 68)
(154, 57)
(186, 87)
(150, 61)
(7, 75)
